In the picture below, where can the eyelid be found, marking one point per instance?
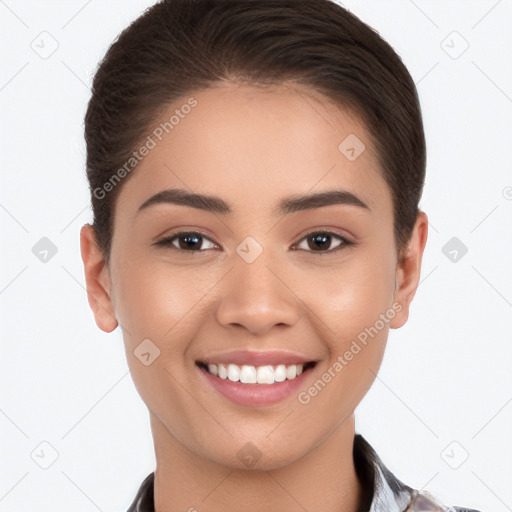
(326, 230)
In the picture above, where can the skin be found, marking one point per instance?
(253, 147)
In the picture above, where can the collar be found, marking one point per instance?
(385, 492)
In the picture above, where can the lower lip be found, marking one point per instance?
(254, 395)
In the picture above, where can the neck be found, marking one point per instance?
(323, 479)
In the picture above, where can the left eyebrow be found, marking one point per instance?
(318, 200)
(286, 206)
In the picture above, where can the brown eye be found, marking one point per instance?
(186, 241)
(321, 241)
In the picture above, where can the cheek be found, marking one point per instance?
(351, 297)
(355, 302)
(156, 301)
(355, 306)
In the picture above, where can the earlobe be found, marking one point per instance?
(97, 280)
(408, 270)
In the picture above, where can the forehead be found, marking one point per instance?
(254, 146)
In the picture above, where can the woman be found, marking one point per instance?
(255, 169)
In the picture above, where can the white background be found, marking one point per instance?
(446, 374)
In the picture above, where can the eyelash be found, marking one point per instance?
(167, 241)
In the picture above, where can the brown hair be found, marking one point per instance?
(179, 46)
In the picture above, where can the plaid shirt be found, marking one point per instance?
(385, 493)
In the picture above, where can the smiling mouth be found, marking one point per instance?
(264, 374)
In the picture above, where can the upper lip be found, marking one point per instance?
(256, 358)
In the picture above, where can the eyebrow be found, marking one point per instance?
(289, 205)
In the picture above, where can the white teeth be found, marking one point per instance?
(291, 372)
(223, 372)
(280, 373)
(265, 375)
(233, 372)
(247, 374)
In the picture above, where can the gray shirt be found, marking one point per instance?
(384, 492)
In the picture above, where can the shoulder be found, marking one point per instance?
(388, 492)
(426, 501)
(144, 500)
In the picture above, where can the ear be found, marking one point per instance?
(97, 280)
(408, 270)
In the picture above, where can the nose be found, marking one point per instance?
(258, 296)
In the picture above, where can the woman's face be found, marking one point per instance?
(254, 275)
